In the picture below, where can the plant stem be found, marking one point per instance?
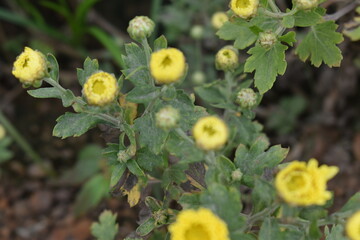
(279, 14)
(273, 6)
(182, 134)
(21, 141)
(210, 158)
(257, 216)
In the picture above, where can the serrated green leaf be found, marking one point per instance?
(239, 31)
(307, 18)
(213, 92)
(134, 168)
(269, 230)
(146, 227)
(160, 43)
(186, 151)
(148, 160)
(352, 205)
(135, 58)
(263, 195)
(175, 173)
(288, 21)
(336, 233)
(319, 45)
(288, 38)
(90, 66)
(47, 92)
(53, 67)
(106, 228)
(253, 161)
(74, 124)
(267, 64)
(91, 194)
(142, 94)
(190, 200)
(117, 172)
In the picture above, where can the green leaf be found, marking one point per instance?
(267, 64)
(134, 168)
(269, 230)
(314, 230)
(53, 67)
(106, 228)
(149, 134)
(135, 58)
(91, 194)
(148, 160)
(213, 93)
(319, 45)
(190, 200)
(336, 233)
(263, 195)
(160, 43)
(307, 18)
(146, 227)
(254, 160)
(67, 98)
(90, 67)
(352, 205)
(46, 92)
(116, 173)
(239, 31)
(288, 21)
(74, 124)
(109, 43)
(142, 94)
(175, 173)
(226, 203)
(288, 38)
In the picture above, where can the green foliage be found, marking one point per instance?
(106, 228)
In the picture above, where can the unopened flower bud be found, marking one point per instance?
(198, 77)
(246, 98)
(2, 132)
(306, 4)
(140, 27)
(236, 175)
(167, 118)
(227, 59)
(197, 32)
(244, 8)
(267, 39)
(218, 19)
(30, 67)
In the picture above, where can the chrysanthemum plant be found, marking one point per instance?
(220, 177)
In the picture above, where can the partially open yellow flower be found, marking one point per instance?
(227, 59)
(210, 133)
(303, 185)
(353, 226)
(100, 88)
(244, 8)
(218, 19)
(167, 65)
(30, 66)
(201, 224)
(2, 132)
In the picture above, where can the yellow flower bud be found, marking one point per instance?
(100, 88)
(210, 133)
(198, 224)
(353, 226)
(306, 4)
(30, 67)
(227, 59)
(302, 184)
(167, 65)
(218, 19)
(2, 132)
(244, 8)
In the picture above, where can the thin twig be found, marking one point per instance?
(341, 12)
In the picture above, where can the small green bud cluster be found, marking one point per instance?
(267, 39)
(197, 32)
(246, 98)
(227, 59)
(167, 118)
(236, 175)
(140, 27)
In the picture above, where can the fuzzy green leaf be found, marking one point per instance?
(90, 67)
(142, 94)
(74, 124)
(46, 92)
(238, 30)
(53, 67)
(267, 64)
(336, 233)
(307, 18)
(319, 45)
(160, 43)
(175, 173)
(106, 228)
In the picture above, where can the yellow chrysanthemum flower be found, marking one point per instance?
(30, 66)
(167, 65)
(218, 19)
(2, 132)
(100, 88)
(244, 8)
(353, 226)
(210, 133)
(302, 184)
(201, 224)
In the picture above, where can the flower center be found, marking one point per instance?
(209, 130)
(242, 3)
(98, 87)
(166, 61)
(296, 181)
(25, 63)
(196, 232)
